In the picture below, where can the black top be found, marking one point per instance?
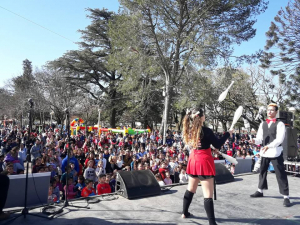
(208, 138)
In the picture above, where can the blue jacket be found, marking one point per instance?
(65, 163)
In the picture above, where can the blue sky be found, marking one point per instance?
(21, 39)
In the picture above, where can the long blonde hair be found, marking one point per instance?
(192, 127)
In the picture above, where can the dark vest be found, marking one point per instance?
(269, 133)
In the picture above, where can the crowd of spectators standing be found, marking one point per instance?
(95, 159)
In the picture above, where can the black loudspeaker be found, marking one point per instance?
(223, 175)
(137, 184)
(285, 117)
(289, 144)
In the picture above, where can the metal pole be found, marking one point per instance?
(25, 210)
(99, 114)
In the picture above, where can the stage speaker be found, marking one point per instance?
(285, 117)
(137, 184)
(223, 175)
(289, 144)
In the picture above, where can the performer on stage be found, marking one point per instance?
(201, 163)
(271, 134)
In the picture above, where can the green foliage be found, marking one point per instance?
(282, 50)
(88, 68)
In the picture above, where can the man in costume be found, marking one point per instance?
(270, 135)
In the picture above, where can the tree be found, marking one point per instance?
(282, 50)
(88, 68)
(6, 106)
(178, 33)
(25, 87)
(58, 94)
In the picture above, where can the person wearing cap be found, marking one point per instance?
(271, 134)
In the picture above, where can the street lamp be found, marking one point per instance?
(99, 114)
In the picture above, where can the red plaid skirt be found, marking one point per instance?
(201, 162)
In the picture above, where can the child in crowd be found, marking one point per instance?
(89, 173)
(20, 171)
(64, 178)
(51, 197)
(103, 187)
(154, 166)
(96, 159)
(69, 189)
(100, 170)
(88, 190)
(159, 179)
(55, 189)
(120, 161)
(51, 169)
(79, 186)
(232, 169)
(9, 169)
(163, 169)
(41, 169)
(167, 180)
(183, 177)
(111, 181)
(58, 183)
(134, 159)
(73, 172)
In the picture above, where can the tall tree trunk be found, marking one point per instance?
(145, 123)
(113, 118)
(179, 124)
(167, 107)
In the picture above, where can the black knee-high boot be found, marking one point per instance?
(209, 208)
(188, 197)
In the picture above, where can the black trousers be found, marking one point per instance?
(4, 184)
(279, 171)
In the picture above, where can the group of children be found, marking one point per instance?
(82, 187)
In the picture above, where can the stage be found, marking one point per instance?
(233, 206)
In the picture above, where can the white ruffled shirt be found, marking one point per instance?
(274, 150)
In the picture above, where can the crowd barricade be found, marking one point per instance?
(244, 165)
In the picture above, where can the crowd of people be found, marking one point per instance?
(93, 160)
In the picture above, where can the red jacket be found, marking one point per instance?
(86, 192)
(103, 188)
(162, 172)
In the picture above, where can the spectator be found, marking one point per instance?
(35, 151)
(183, 177)
(167, 180)
(89, 173)
(102, 187)
(88, 190)
(163, 169)
(71, 160)
(159, 179)
(79, 186)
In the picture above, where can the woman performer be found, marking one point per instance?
(201, 163)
